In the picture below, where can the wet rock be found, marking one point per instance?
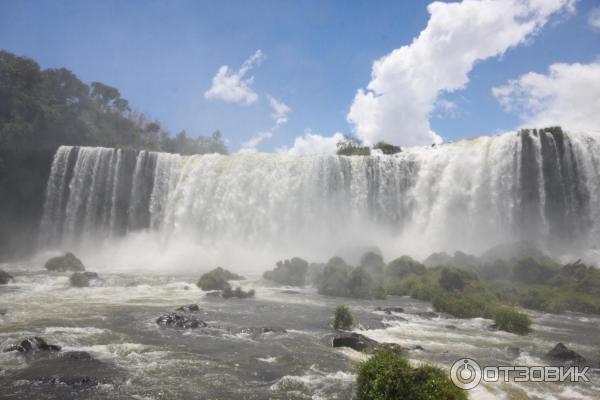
(359, 342)
(214, 293)
(513, 350)
(427, 314)
(563, 353)
(3, 311)
(68, 262)
(450, 327)
(32, 344)
(5, 278)
(176, 320)
(290, 292)
(390, 310)
(189, 308)
(255, 331)
(84, 279)
(74, 382)
(76, 355)
(418, 347)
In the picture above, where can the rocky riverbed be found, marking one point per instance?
(140, 336)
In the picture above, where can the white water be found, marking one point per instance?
(148, 209)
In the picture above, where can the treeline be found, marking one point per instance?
(42, 109)
(46, 108)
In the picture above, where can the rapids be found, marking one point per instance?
(134, 358)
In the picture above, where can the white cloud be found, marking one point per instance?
(250, 145)
(569, 95)
(594, 18)
(280, 111)
(406, 83)
(233, 86)
(313, 144)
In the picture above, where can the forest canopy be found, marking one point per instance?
(46, 108)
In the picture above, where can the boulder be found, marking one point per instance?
(5, 278)
(255, 331)
(390, 310)
(561, 352)
(427, 314)
(290, 292)
(76, 355)
(361, 343)
(73, 382)
(176, 320)
(68, 262)
(513, 350)
(32, 344)
(189, 308)
(83, 279)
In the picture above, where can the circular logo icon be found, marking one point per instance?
(465, 373)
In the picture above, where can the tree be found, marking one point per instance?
(387, 148)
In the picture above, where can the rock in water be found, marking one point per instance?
(390, 310)
(73, 382)
(33, 344)
(83, 279)
(5, 278)
(68, 262)
(563, 353)
(76, 355)
(362, 343)
(189, 308)
(175, 320)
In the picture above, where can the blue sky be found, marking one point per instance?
(163, 55)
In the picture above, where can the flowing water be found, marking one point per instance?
(254, 209)
(151, 223)
(134, 358)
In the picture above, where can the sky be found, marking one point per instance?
(296, 76)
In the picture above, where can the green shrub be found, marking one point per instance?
(217, 279)
(403, 266)
(387, 148)
(387, 376)
(453, 279)
(352, 148)
(361, 284)
(372, 262)
(68, 262)
(531, 270)
(510, 320)
(228, 292)
(469, 305)
(335, 279)
(289, 272)
(342, 318)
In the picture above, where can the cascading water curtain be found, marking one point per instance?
(468, 195)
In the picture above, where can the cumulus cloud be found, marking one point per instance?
(313, 144)
(406, 83)
(280, 111)
(233, 86)
(569, 95)
(250, 145)
(594, 18)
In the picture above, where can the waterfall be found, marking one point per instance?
(468, 195)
